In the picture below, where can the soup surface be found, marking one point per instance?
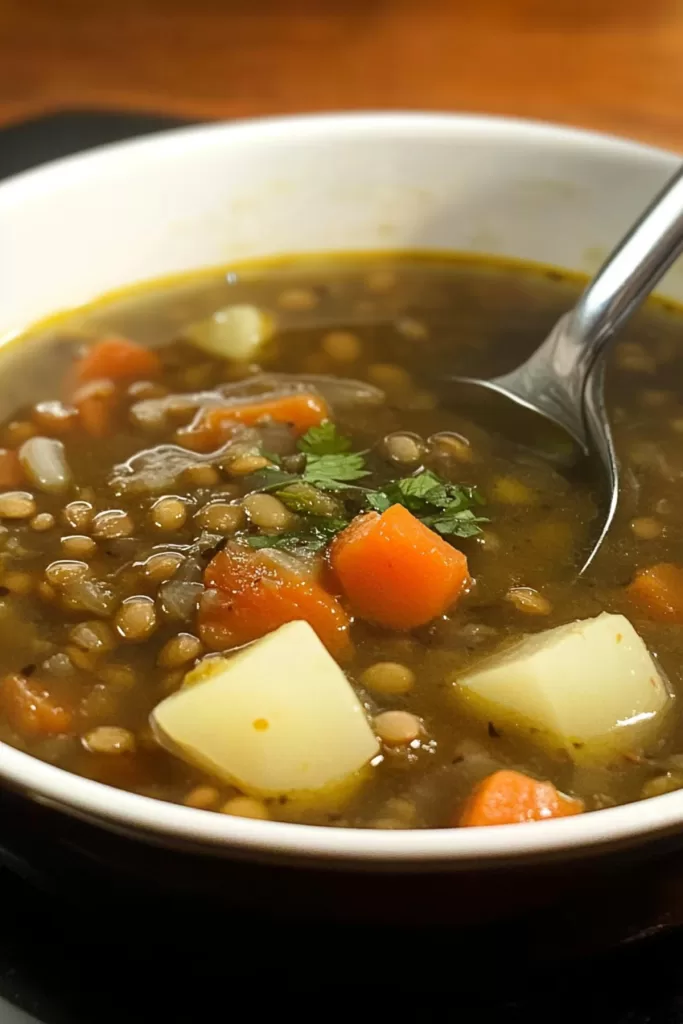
(188, 468)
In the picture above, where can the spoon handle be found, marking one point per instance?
(629, 274)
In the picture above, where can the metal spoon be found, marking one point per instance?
(563, 381)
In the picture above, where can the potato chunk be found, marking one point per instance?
(589, 687)
(278, 718)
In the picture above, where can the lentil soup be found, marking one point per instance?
(253, 560)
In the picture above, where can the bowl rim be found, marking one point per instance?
(160, 820)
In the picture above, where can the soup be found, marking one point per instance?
(258, 559)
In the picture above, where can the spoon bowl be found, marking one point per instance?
(563, 380)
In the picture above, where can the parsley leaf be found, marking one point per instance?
(332, 472)
(444, 507)
(308, 500)
(315, 536)
(378, 500)
(324, 440)
(330, 465)
(461, 523)
(266, 479)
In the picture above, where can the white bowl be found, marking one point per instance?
(210, 195)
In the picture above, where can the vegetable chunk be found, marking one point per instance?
(117, 359)
(255, 592)
(277, 719)
(395, 571)
(509, 798)
(658, 592)
(590, 687)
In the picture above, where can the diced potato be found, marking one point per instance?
(589, 687)
(235, 332)
(278, 718)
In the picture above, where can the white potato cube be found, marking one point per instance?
(235, 332)
(590, 687)
(277, 718)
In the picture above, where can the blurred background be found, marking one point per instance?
(616, 65)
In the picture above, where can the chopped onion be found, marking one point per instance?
(155, 413)
(178, 599)
(303, 566)
(235, 332)
(337, 390)
(90, 596)
(44, 462)
(156, 470)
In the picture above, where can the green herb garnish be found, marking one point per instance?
(315, 535)
(445, 507)
(331, 466)
(324, 440)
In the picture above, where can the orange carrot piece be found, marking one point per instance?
(301, 410)
(116, 359)
(31, 710)
(395, 571)
(96, 404)
(658, 591)
(508, 798)
(252, 594)
(11, 473)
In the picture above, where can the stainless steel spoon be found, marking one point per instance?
(563, 381)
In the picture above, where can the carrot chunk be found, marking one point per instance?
(116, 359)
(508, 798)
(11, 473)
(301, 410)
(658, 591)
(96, 404)
(395, 571)
(252, 593)
(31, 710)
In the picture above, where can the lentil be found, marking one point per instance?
(397, 728)
(647, 528)
(118, 677)
(61, 573)
(109, 739)
(78, 515)
(388, 677)
(17, 505)
(169, 514)
(528, 601)
(179, 650)
(201, 476)
(221, 517)
(204, 798)
(136, 619)
(452, 446)
(243, 465)
(404, 449)
(79, 547)
(19, 582)
(245, 807)
(342, 346)
(93, 635)
(267, 512)
(112, 524)
(162, 566)
(42, 522)
(297, 300)
(391, 378)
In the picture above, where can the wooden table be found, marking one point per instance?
(616, 65)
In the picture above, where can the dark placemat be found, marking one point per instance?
(29, 143)
(64, 962)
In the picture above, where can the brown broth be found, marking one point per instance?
(429, 317)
